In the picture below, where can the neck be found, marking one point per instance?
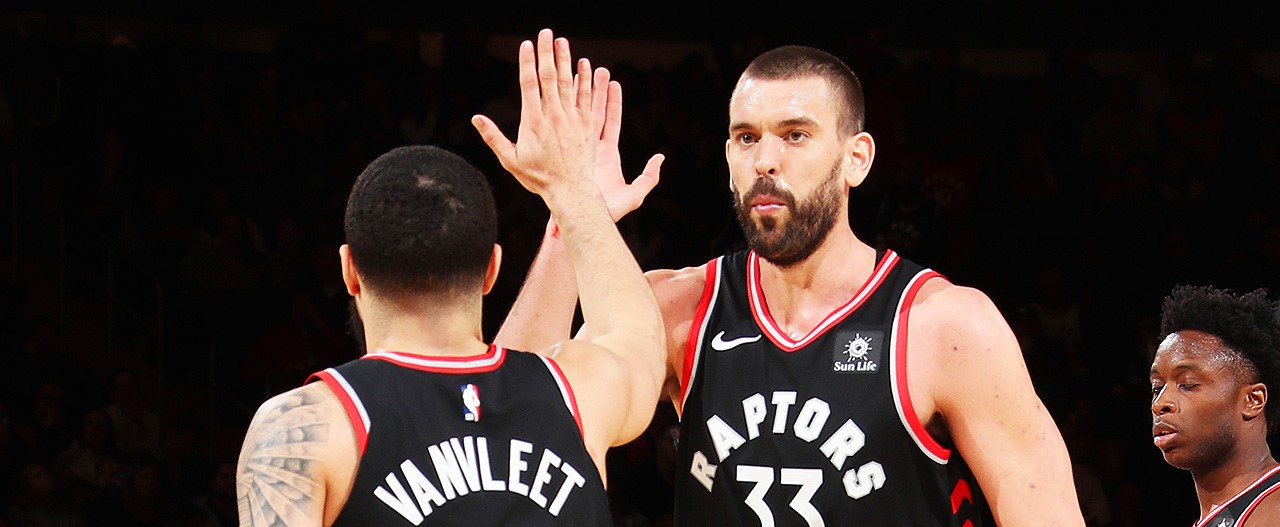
(431, 326)
(1219, 484)
(801, 295)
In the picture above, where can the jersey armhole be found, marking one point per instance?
(351, 402)
(693, 343)
(902, 397)
(566, 391)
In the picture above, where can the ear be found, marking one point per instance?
(350, 275)
(860, 151)
(1255, 400)
(491, 272)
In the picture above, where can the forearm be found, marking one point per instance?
(614, 294)
(542, 313)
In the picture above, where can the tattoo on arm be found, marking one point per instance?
(278, 481)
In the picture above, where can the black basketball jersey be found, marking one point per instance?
(1237, 509)
(814, 431)
(487, 440)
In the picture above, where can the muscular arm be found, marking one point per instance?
(560, 127)
(297, 460)
(966, 361)
(542, 313)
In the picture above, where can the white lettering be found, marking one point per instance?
(466, 456)
(447, 469)
(703, 471)
(421, 487)
(401, 502)
(847, 441)
(572, 480)
(543, 476)
(486, 472)
(723, 437)
(783, 401)
(869, 477)
(811, 419)
(755, 411)
(518, 466)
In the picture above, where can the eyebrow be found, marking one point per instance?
(786, 123)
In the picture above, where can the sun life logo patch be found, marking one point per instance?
(857, 351)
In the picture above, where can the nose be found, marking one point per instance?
(767, 156)
(1160, 404)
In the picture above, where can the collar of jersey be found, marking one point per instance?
(760, 307)
(487, 361)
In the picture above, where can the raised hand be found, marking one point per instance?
(620, 197)
(561, 117)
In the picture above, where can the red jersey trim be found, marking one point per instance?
(901, 395)
(1218, 508)
(566, 391)
(760, 308)
(350, 402)
(693, 344)
(487, 362)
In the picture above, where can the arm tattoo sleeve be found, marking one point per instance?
(278, 481)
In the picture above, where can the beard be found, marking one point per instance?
(786, 243)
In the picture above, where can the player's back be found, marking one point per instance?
(493, 439)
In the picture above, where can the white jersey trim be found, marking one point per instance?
(355, 398)
(893, 371)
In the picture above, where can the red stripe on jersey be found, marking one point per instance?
(763, 318)
(358, 424)
(568, 390)
(693, 342)
(904, 396)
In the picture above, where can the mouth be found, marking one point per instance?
(767, 204)
(1162, 434)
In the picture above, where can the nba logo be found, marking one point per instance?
(470, 402)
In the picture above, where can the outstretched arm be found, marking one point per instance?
(619, 374)
(542, 313)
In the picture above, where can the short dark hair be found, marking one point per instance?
(1246, 323)
(420, 219)
(793, 62)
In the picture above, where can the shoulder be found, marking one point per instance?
(1266, 511)
(302, 436)
(677, 284)
(953, 312)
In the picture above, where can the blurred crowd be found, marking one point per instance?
(175, 209)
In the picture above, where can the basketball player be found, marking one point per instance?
(1209, 406)
(821, 381)
(434, 425)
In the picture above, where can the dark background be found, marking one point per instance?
(173, 181)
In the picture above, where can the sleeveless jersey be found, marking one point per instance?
(488, 440)
(814, 431)
(1237, 509)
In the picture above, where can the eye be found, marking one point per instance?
(796, 136)
(1186, 387)
(745, 138)
(1155, 390)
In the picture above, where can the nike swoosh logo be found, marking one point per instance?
(719, 344)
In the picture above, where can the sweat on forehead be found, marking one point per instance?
(1203, 351)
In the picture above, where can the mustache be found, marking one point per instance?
(766, 186)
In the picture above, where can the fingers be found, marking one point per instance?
(599, 100)
(584, 89)
(502, 147)
(564, 72)
(648, 179)
(547, 69)
(613, 114)
(529, 92)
